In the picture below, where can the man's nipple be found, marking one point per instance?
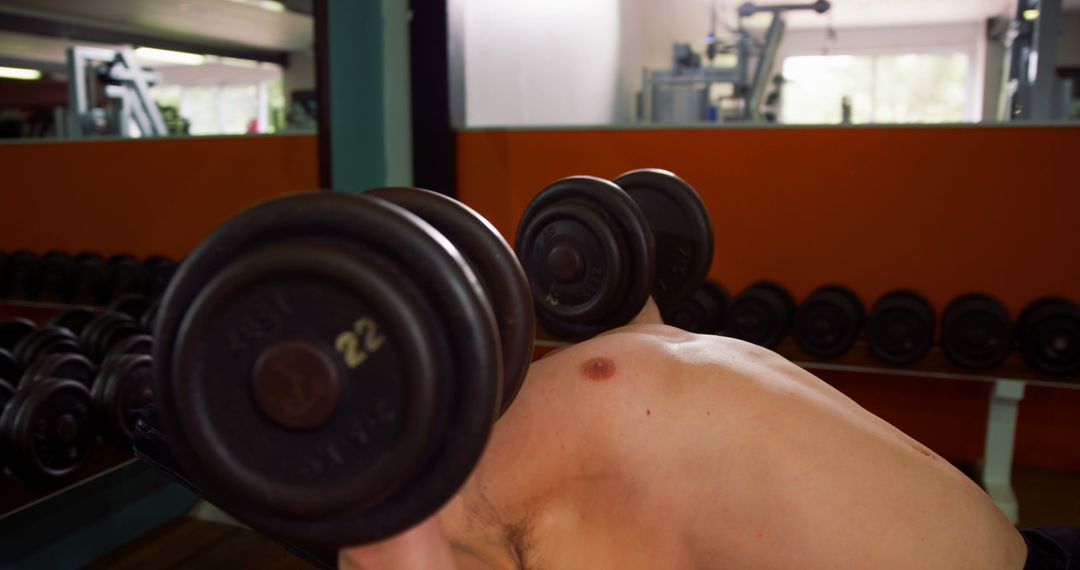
(598, 369)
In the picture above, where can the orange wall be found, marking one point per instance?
(945, 210)
(141, 197)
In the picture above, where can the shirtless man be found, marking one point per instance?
(649, 447)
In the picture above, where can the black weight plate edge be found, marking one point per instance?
(843, 299)
(1029, 351)
(696, 217)
(494, 262)
(26, 324)
(465, 304)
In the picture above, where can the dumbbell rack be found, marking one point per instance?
(1009, 380)
(110, 500)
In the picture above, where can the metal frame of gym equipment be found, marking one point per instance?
(659, 98)
(123, 82)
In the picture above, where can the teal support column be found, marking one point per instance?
(365, 74)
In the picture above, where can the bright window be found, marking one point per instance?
(900, 88)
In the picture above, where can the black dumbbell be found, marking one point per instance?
(761, 314)
(900, 330)
(23, 275)
(45, 340)
(133, 305)
(126, 275)
(91, 278)
(7, 390)
(829, 320)
(344, 333)
(1049, 331)
(73, 319)
(105, 330)
(976, 332)
(703, 312)
(594, 251)
(159, 271)
(13, 330)
(46, 429)
(124, 384)
(56, 276)
(9, 371)
(66, 365)
(146, 322)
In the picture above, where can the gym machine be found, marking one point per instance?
(109, 94)
(681, 94)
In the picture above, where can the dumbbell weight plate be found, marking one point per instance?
(159, 270)
(47, 429)
(681, 228)
(13, 330)
(70, 366)
(91, 278)
(900, 329)
(126, 386)
(74, 319)
(588, 254)
(6, 393)
(496, 266)
(130, 304)
(976, 332)
(45, 340)
(134, 344)
(828, 322)
(105, 330)
(126, 275)
(285, 284)
(146, 322)
(23, 281)
(56, 274)
(1050, 335)
(9, 371)
(701, 313)
(761, 314)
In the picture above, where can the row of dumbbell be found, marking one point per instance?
(976, 330)
(65, 383)
(86, 277)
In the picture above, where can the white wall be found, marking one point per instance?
(1069, 40)
(540, 62)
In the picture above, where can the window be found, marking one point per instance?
(895, 88)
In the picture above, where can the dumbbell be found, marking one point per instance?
(594, 250)
(761, 314)
(159, 270)
(45, 428)
(147, 320)
(45, 340)
(9, 371)
(701, 313)
(22, 275)
(900, 330)
(14, 330)
(91, 278)
(56, 276)
(121, 385)
(1049, 331)
(829, 320)
(73, 319)
(350, 336)
(105, 330)
(126, 275)
(133, 305)
(976, 332)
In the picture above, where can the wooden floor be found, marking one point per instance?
(192, 543)
(1047, 498)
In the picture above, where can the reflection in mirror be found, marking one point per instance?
(566, 62)
(144, 68)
